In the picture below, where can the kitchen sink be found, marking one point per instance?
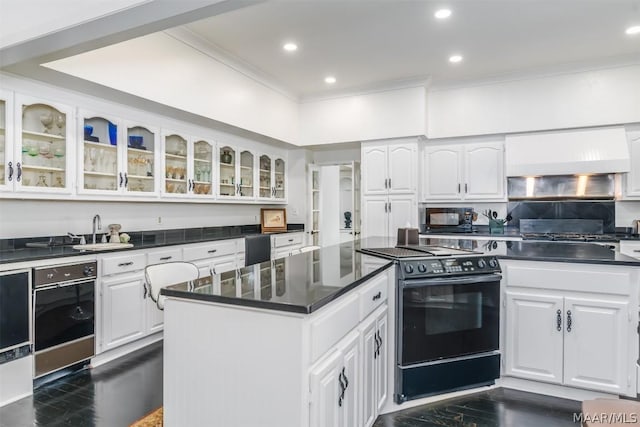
(102, 246)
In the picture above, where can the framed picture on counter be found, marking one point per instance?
(272, 219)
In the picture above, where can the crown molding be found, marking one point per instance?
(378, 87)
(217, 53)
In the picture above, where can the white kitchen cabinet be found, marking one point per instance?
(285, 244)
(571, 325)
(374, 365)
(630, 248)
(101, 154)
(272, 178)
(44, 146)
(142, 148)
(213, 257)
(236, 178)
(123, 309)
(187, 166)
(632, 178)
(455, 172)
(334, 385)
(389, 167)
(383, 215)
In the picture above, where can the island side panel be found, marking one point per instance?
(232, 366)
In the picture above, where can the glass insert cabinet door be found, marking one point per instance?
(279, 179)
(7, 165)
(44, 143)
(175, 164)
(246, 184)
(227, 179)
(141, 147)
(202, 167)
(100, 155)
(265, 183)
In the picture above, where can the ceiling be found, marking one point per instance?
(365, 43)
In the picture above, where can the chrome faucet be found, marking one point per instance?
(96, 218)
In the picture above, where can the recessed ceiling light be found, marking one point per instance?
(633, 30)
(330, 79)
(442, 13)
(455, 58)
(290, 47)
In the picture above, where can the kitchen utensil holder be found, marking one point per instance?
(496, 226)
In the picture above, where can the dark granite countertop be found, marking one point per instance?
(19, 250)
(300, 283)
(305, 282)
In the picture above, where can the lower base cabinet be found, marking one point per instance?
(569, 337)
(349, 385)
(123, 309)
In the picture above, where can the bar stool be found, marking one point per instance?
(158, 276)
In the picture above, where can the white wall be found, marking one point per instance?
(585, 98)
(627, 212)
(336, 155)
(380, 115)
(163, 69)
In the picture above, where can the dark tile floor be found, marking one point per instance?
(494, 408)
(112, 395)
(121, 392)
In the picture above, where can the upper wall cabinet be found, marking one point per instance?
(390, 167)
(44, 145)
(8, 167)
(100, 155)
(271, 178)
(187, 165)
(142, 157)
(463, 172)
(632, 187)
(236, 178)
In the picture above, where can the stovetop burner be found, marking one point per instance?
(416, 251)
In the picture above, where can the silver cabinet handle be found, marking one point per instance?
(10, 167)
(569, 321)
(165, 258)
(212, 251)
(124, 264)
(458, 187)
(465, 187)
(19, 172)
(559, 320)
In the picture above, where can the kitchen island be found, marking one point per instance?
(269, 347)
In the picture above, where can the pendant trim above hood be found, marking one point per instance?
(569, 152)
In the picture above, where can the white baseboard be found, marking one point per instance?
(552, 389)
(123, 350)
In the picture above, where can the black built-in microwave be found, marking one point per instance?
(451, 219)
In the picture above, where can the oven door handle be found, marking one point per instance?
(60, 285)
(469, 280)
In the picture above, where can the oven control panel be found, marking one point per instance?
(457, 266)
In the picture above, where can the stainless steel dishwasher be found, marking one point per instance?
(64, 315)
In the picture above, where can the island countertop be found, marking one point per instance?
(301, 283)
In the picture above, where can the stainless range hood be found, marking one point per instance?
(569, 152)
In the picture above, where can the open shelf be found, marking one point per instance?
(42, 168)
(100, 145)
(42, 135)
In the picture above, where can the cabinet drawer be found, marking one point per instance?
(287, 239)
(123, 264)
(373, 294)
(165, 256)
(333, 324)
(210, 250)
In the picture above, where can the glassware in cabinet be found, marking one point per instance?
(175, 164)
(140, 159)
(44, 145)
(265, 185)
(99, 154)
(202, 167)
(227, 171)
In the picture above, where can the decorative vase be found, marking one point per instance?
(225, 157)
(113, 134)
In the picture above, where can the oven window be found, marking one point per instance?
(442, 321)
(64, 314)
